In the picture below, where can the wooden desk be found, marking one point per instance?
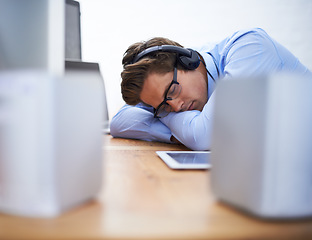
(143, 199)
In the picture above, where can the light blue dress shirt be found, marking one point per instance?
(246, 53)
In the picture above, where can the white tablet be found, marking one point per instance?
(186, 159)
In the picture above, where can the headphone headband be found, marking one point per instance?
(187, 57)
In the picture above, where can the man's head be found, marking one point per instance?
(148, 79)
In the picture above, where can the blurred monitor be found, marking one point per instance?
(72, 30)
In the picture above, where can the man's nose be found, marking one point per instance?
(176, 104)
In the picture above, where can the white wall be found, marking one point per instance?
(109, 27)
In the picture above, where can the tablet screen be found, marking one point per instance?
(186, 159)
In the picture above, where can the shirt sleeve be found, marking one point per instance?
(256, 53)
(252, 54)
(138, 122)
(192, 128)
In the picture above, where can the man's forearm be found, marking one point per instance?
(138, 123)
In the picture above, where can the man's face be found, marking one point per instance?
(193, 95)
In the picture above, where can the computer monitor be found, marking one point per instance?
(72, 30)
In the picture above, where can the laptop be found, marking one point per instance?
(71, 65)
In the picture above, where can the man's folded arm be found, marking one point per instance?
(138, 122)
(192, 128)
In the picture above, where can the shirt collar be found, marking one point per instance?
(211, 67)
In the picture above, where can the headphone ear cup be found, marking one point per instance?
(190, 63)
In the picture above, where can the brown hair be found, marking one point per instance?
(134, 74)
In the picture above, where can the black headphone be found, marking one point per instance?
(188, 58)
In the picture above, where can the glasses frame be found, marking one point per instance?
(166, 98)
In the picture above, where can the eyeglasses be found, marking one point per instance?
(171, 93)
